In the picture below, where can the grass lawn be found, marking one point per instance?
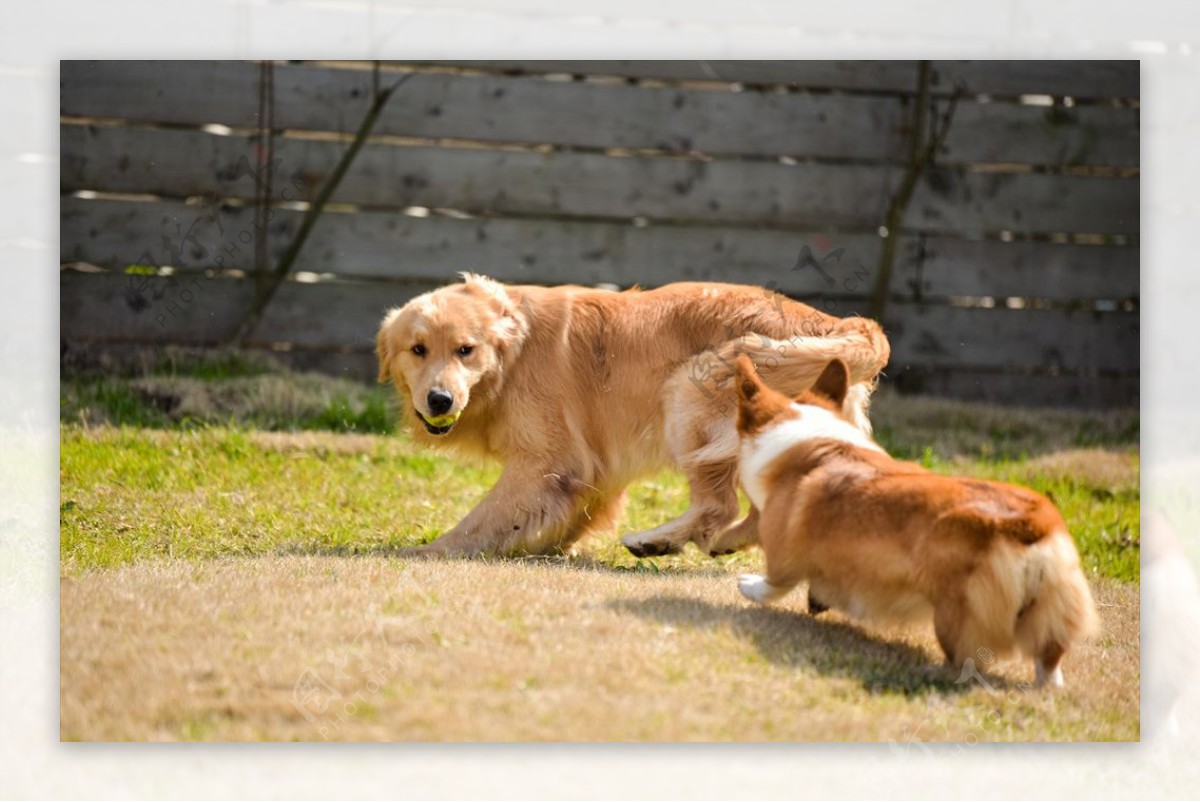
(229, 571)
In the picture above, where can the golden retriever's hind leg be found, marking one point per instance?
(714, 506)
(741, 535)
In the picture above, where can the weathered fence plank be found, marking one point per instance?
(500, 109)
(391, 245)
(953, 267)
(117, 307)
(882, 76)
(115, 233)
(1079, 79)
(495, 109)
(188, 163)
(100, 307)
(1010, 133)
(1045, 339)
(341, 315)
(1082, 79)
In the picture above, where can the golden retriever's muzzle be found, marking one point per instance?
(440, 420)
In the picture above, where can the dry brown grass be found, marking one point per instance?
(910, 426)
(532, 650)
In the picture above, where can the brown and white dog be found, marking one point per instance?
(580, 391)
(884, 539)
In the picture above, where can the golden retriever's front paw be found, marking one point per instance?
(640, 545)
(428, 551)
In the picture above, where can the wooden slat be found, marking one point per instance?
(884, 76)
(951, 267)
(950, 349)
(1042, 339)
(1080, 79)
(493, 109)
(199, 311)
(115, 233)
(1094, 392)
(502, 109)
(973, 204)
(183, 163)
(129, 307)
(1018, 134)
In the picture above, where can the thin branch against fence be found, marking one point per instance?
(921, 155)
(264, 296)
(266, 155)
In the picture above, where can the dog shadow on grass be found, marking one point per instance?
(796, 640)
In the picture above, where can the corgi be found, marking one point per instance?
(878, 538)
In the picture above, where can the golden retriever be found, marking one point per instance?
(879, 538)
(579, 391)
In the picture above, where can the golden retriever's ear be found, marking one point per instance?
(834, 382)
(509, 327)
(383, 346)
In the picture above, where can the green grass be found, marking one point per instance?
(130, 494)
(177, 468)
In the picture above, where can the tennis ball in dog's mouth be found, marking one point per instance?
(442, 421)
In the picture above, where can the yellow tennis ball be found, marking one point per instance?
(443, 420)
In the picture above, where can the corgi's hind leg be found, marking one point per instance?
(785, 570)
(949, 621)
(1048, 665)
(762, 590)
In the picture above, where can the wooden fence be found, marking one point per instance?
(1015, 274)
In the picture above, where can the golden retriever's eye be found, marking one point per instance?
(418, 349)
(465, 350)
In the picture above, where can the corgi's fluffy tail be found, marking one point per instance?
(1033, 599)
(1057, 608)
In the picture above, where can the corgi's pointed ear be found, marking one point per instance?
(757, 404)
(834, 382)
(748, 383)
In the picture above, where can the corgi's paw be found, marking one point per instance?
(1048, 679)
(756, 588)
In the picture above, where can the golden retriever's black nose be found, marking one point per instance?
(439, 401)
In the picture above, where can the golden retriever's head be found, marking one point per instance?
(441, 346)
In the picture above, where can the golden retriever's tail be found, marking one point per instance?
(793, 365)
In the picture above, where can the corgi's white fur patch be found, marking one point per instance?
(756, 588)
(810, 423)
(1053, 679)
